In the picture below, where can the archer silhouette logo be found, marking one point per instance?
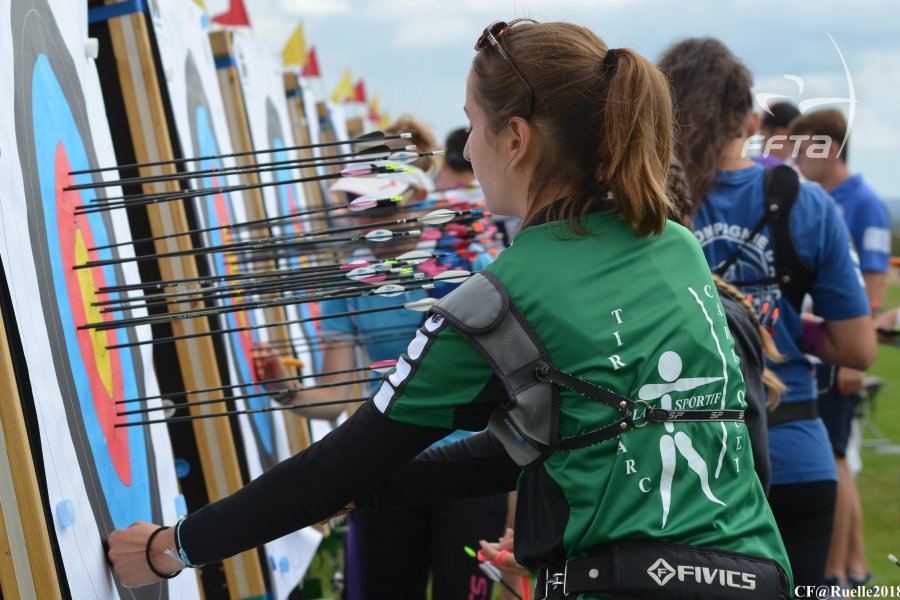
(820, 144)
(661, 572)
(673, 443)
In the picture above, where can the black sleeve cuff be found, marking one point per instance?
(306, 488)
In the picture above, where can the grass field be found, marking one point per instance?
(879, 481)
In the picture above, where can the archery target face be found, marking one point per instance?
(96, 477)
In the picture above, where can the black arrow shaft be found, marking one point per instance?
(172, 395)
(256, 223)
(281, 241)
(292, 390)
(375, 136)
(376, 153)
(226, 331)
(234, 413)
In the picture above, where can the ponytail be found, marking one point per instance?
(604, 119)
(637, 140)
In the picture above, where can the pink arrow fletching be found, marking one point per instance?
(363, 203)
(383, 366)
(355, 264)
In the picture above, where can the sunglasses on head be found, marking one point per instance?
(491, 37)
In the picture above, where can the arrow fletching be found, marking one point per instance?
(383, 366)
(437, 217)
(421, 305)
(379, 235)
(389, 290)
(356, 169)
(415, 257)
(453, 276)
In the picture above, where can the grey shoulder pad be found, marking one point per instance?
(475, 307)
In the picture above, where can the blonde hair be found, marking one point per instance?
(605, 122)
(773, 384)
(422, 137)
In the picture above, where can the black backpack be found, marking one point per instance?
(793, 276)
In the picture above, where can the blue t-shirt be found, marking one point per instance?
(868, 221)
(385, 335)
(800, 450)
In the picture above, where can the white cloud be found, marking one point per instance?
(315, 8)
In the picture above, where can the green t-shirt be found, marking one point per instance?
(639, 316)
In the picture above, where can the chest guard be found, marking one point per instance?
(481, 312)
(527, 421)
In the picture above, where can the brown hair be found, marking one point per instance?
(422, 137)
(712, 100)
(682, 208)
(828, 121)
(602, 128)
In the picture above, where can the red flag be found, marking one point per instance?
(311, 68)
(360, 90)
(236, 15)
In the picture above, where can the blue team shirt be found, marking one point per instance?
(800, 450)
(385, 335)
(868, 221)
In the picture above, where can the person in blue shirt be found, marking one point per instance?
(840, 388)
(391, 552)
(712, 91)
(776, 147)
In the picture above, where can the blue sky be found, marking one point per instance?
(415, 54)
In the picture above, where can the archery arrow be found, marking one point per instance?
(382, 366)
(147, 199)
(372, 137)
(234, 413)
(278, 392)
(436, 217)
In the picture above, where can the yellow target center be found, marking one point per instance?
(93, 315)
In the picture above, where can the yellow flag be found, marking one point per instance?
(294, 52)
(200, 4)
(344, 90)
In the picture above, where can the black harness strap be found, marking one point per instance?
(792, 275)
(787, 412)
(544, 371)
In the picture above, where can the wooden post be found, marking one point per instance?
(300, 129)
(242, 141)
(151, 139)
(355, 127)
(27, 568)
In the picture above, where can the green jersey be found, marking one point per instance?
(639, 316)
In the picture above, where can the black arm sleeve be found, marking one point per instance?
(474, 466)
(306, 488)
(749, 348)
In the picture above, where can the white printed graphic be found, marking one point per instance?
(670, 367)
